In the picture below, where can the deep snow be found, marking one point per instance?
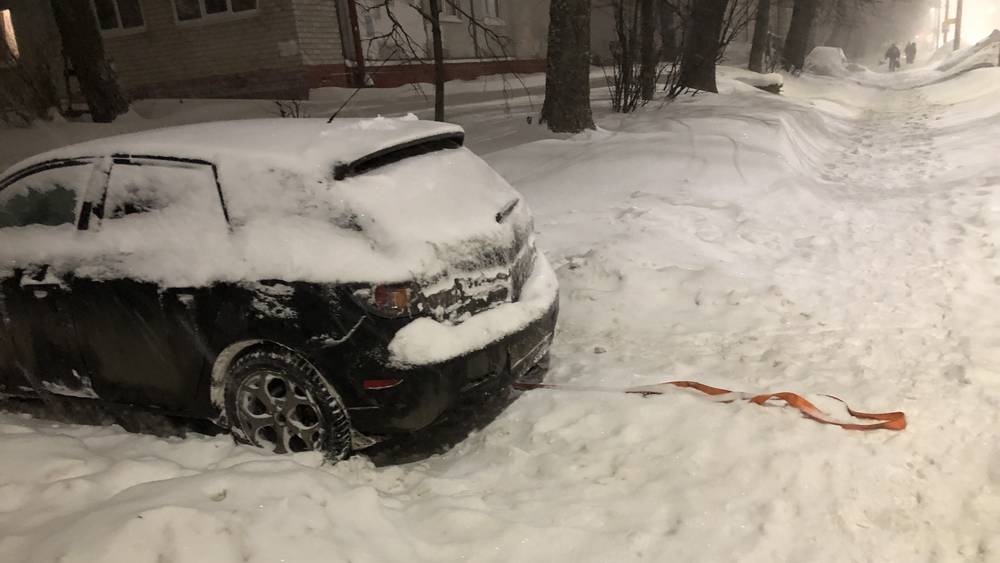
(839, 239)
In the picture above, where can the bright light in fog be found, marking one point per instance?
(981, 17)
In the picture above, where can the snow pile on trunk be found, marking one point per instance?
(827, 61)
(426, 341)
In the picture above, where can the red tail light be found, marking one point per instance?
(394, 300)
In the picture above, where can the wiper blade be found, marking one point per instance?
(507, 210)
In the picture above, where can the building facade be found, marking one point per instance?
(284, 48)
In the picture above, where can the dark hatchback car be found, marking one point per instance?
(309, 286)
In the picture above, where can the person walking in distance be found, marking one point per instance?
(911, 52)
(893, 55)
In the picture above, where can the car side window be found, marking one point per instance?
(173, 195)
(50, 197)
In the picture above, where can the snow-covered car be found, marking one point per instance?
(309, 286)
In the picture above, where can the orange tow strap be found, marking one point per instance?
(886, 421)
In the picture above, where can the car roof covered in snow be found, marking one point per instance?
(298, 144)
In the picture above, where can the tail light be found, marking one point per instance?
(390, 300)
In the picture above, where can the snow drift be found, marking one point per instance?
(985, 53)
(838, 239)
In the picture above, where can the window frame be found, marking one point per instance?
(449, 12)
(206, 18)
(99, 209)
(119, 30)
(82, 209)
(493, 19)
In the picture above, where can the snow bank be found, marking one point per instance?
(771, 82)
(985, 53)
(838, 239)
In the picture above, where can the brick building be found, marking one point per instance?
(282, 48)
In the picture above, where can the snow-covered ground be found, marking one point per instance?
(841, 238)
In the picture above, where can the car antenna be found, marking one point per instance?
(358, 89)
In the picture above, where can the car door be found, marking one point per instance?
(39, 219)
(145, 323)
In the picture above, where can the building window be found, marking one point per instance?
(115, 15)
(188, 10)
(492, 8)
(448, 8)
(8, 39)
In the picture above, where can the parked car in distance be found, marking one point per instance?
(309, 286)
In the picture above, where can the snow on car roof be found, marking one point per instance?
(295, 143)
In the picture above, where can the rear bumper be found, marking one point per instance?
(518, 337)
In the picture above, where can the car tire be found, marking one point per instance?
(278, 401)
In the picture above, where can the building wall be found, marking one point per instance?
(252, 55)
(284, 48)
(469, 51)
(528, 26)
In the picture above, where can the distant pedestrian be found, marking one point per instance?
(893, 55)
(911, 52)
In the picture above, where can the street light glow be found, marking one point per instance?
(980, 18)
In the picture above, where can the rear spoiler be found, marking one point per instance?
(398, 152)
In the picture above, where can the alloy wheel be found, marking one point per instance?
(275, 412)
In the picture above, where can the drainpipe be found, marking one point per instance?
(947, 22)
(937, 28)
(359, 54)
(958, 25)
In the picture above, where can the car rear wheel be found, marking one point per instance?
(278, 401)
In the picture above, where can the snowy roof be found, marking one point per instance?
(296, 143)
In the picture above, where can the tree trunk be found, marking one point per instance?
(668, 31)
(81, 41)
(701, 45)
(438, 48)
(803, 16)
(760, 31)
(843, 23)
(567, 68)
(649, 57)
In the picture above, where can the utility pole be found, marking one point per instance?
(937, 29)
(947, 22)
(958, 25)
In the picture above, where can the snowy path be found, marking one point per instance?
(840, 239)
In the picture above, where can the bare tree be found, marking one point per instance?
(648, 54)
(668, 30)
(636, 59)
(761, 31)
(399, 42)
(434, 18)
(797, 43)
(82, 43)
(567, 69)
(702, 45)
